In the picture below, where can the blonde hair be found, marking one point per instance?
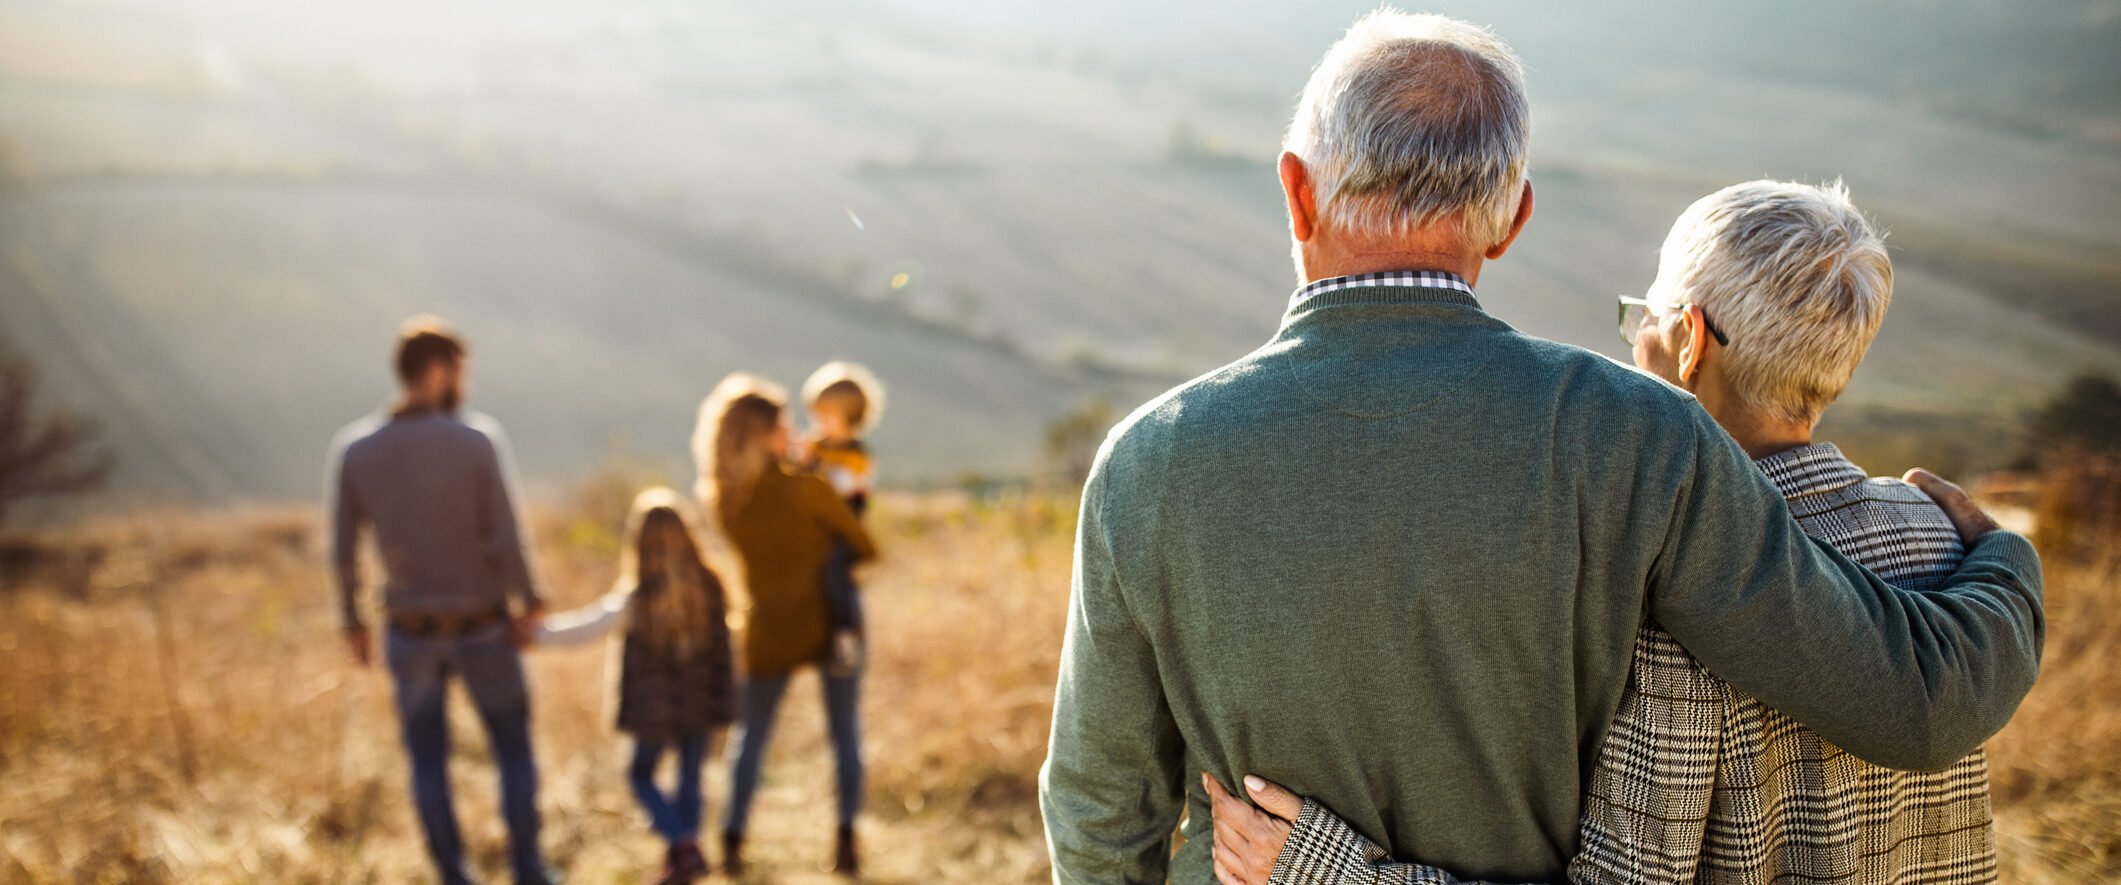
(850, 388)
(1794, 275)
(732, 443)
(1410, 120)
(672, 595)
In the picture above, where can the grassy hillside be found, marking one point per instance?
(176, 707)
(213, 213)
(183, 712)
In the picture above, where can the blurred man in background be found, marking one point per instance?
(435, 489)
(1428, 541)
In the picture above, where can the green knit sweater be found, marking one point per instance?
(1396, 560)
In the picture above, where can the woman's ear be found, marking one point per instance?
(1693, 343)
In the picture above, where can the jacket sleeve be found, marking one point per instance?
(584, 625)
(1110, 789)
(1903, 679)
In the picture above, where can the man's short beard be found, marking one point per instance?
(445, 403)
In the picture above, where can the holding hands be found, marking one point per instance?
(523, 627)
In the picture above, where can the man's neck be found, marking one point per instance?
(1328, 260)
(411, 406)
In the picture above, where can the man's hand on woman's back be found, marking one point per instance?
(1966, 516)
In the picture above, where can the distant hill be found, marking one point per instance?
(213, 214)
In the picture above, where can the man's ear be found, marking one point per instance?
(1693, 344)
(1296, 191)
(1524, 214)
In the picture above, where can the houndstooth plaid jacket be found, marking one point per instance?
(1698, 782)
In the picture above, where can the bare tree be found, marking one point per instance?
(53, 455)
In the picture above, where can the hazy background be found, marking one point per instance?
(213, 213)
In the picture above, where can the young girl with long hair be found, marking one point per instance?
(675, 687)
(783, 526)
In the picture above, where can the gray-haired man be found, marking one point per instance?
(1434, 539)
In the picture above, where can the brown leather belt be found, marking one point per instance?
(444, 626)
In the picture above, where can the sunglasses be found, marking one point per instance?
(1634, 311)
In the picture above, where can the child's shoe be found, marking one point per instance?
(691, 862)
(669, 874)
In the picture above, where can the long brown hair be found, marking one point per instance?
(674, 597)
(732, 445)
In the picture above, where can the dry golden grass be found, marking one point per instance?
(2057, 766)
(184, 711)
(175, 706)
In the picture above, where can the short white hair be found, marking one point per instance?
(1410, 120)
(1794, 275)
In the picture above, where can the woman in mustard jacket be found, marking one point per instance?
(782, 526)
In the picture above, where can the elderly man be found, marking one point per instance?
(1696, 781)
(1428, 541)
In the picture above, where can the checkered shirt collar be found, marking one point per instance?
(1336, 289)
(1810, 470)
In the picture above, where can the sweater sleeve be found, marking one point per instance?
(584, 625)
(1110, 789)
(1903, 679)
(343, 509)
(839, 519)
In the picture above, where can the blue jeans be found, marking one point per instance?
(843, 598)
(677, 817)
(762, 702)
(421, 667)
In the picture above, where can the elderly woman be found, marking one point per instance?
(1767, 295)
(783, 526)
